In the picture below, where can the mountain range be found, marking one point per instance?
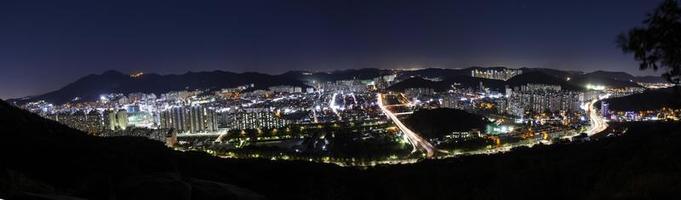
(567, 80)
(92, 86)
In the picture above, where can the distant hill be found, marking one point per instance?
(444, 85)
(648, 100)
(418, 82)
(535, 77)
(432, 73)
(349, 74)
(436, 123)
(616, 79)
(538, 77)
(608, 79)
(92, 86)
(560, 74)
(444, 73)
(651, 79)
(621, 76)
(551, 76)
(473, 82)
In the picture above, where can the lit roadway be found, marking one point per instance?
(333, 106)
(598, 124)
(414, 139)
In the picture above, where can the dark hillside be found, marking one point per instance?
(648, 100)
(438, 122)
(537, 77)
(39, 156)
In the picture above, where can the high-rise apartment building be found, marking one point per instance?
(189, 119)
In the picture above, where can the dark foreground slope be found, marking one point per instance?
(40, 157)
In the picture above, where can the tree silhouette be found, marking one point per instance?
(657, 44)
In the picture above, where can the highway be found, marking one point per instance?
(414, 139)
(334, 107)
(598, 124)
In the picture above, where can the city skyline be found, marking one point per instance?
(46, 46)
(133, 73)
(340, 99)
(310, 116)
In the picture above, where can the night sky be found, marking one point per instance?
(45, 45)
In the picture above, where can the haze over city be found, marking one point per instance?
(48, 44)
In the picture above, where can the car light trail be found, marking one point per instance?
(598, 124)
(414, 139)
(333, 106)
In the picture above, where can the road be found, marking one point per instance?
(598, 124)
(334, 107)
(414, 139)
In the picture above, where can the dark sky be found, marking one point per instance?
(46, 44)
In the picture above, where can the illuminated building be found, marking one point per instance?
(90, 122)
(138, 97)
(497, 74)
(501, 105)
(604, 109)
(178, 96)
(452, 101)
(343, 86)
(191, 119)
(140, 119)
(116, 120)
(256, 118)
(122, 119)
(256, 94)
(539, 98)
(285, 89)
(418, 92)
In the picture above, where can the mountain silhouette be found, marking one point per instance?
(418, 82)
(534, 77)
(349, 74)
(92, 86)
(608, 79)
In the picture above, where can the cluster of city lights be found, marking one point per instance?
(595, 87)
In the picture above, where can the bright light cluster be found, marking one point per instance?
(595, 87)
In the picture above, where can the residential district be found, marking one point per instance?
(350, 122)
